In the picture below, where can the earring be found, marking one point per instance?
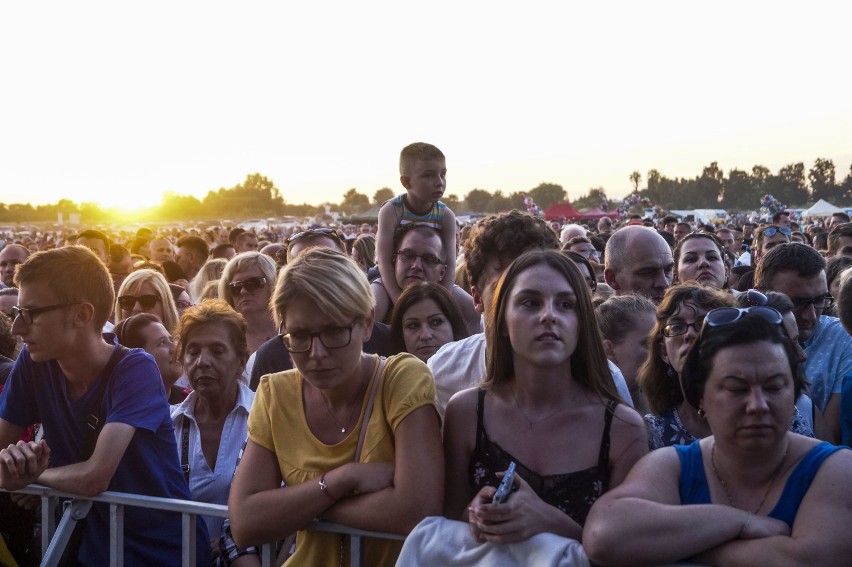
(701, 413)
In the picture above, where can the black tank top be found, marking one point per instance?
(573, 493)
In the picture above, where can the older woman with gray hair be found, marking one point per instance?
(246, 285)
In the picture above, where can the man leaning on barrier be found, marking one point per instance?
(70, 377)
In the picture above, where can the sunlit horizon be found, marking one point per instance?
(118, 105)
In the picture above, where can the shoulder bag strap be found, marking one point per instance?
(93, 419)
(184, 447)
(380, 366)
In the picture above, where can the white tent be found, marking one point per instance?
(822, 208)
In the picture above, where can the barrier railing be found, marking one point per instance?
(54, 538)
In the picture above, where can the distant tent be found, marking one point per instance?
(561, 210)
(597, 213)
(371, 215)
(822, 208)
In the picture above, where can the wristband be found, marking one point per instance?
(324, 488)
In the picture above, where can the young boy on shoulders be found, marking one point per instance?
(423, 173)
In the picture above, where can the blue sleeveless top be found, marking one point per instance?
(695, 490)
(433, 218)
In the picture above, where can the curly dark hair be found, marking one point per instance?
(505, 236)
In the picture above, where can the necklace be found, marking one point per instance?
(725, 484)
(532, 422)
(343, 425)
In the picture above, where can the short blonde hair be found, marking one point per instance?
(210, 312)
(244, 261)
(210, 271)
(412, 153)
(133, 283)
(328, 278)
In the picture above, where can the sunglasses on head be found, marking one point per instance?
(250, 285)
(727, 315)
(330, 232)
(147, 301)
(771, 231)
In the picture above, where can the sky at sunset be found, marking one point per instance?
(117, 103)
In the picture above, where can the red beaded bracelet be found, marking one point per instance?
(324, 488)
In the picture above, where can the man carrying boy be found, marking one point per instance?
(423, 173)
(65, 298)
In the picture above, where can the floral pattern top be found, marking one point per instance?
(667, 430)
(572, 493)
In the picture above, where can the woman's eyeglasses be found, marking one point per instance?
(331, 337)
(677, 329)
(250, 285)
(148, 301)
(589, 254)
(727, 315)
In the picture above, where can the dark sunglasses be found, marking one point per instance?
(330, 232)
(145, 301)
(820, 303)
(251, 284)
(771, 231)
(727, 315)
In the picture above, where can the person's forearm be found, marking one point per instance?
(386, 510)
(618, 533)
(274, 514)
(777, 551)
(79, 478)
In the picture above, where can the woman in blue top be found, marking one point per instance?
(753, 493)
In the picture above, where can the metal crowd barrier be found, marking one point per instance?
(55, 537)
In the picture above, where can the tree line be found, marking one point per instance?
(258, 197)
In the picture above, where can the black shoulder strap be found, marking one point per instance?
(93, 419)
(603, 456)
(480, 426)
(184, 447)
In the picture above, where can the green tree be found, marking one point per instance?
(792, 190)
(708, 187)
(452, 201)
(738, 191)
(499, 202)
(177, 207)
(635, 179)
(547, 194)
(823, 181)
(477, 200)
(354, 202)
(256, 196)
(384, 194)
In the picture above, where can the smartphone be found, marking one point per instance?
(505, 485)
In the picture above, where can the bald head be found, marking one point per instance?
(638, 260)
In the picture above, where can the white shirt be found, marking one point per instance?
(461, 364)
(212, 486)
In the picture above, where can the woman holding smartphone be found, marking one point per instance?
(548, 404)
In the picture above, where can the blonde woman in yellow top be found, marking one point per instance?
(306, 424)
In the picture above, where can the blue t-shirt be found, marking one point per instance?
(829, 360)
(37, 392)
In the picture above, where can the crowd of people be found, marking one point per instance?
(663, 391)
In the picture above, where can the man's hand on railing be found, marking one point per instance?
(22, 463)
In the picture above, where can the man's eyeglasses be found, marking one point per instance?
(677, 329)
(727, 315)
(820, 303)
(771, 231)
(409, 257)
(330, 337)
(250, 285)
(329, 232)
(27, 313)
(147, 301)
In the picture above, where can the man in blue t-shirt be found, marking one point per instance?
(65, 298)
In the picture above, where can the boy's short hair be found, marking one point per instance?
(417, 151)
(74, 274)
(839, 231)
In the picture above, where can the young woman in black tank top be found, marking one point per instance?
(548, 403)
